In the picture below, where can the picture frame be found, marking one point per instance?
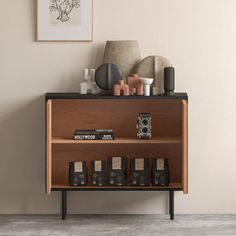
(64, 20)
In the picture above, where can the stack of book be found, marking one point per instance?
(96, 134)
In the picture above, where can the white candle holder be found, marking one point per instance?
(147, 82)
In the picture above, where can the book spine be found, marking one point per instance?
(94, 137)
(93, 133)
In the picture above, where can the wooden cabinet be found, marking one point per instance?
(67, 112)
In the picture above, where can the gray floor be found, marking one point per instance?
(113, 225)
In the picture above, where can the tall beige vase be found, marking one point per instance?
(124, 53)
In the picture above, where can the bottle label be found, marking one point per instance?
(98, 166)
(139, 164)
(160, 164)
(116, 163)
(78, 166)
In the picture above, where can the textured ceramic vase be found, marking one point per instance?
(123, 53)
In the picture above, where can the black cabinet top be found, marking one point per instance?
(99, 96)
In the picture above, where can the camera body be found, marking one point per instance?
(144, 126)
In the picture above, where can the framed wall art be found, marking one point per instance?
(64, 20)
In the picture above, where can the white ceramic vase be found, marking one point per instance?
(147, 85)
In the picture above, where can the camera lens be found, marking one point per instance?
(144, 130)
(145, 121)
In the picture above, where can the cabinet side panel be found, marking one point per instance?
(48, 146)
(185, 145)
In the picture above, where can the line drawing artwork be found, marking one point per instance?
(61, 11)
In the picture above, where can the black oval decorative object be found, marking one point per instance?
(107, 75)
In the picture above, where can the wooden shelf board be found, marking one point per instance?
(164, 140)
(176, 186)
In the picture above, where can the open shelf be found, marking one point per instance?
(163, 140)
(172, 186)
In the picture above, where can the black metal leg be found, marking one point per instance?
(171, 204)
(63, 205)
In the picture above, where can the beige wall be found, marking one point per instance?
(198, 36)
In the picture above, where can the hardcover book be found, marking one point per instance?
(99, 134)
(93, 137)
(94, 131)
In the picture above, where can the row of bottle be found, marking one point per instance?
(114, 172)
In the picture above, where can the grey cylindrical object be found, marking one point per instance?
(169, 80)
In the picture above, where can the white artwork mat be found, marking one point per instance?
(64, 20)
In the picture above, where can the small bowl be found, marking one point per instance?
(147, 81)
